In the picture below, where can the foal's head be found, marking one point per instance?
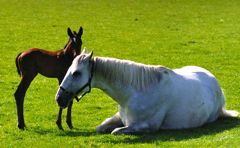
(74, 44)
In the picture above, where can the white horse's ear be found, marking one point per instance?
(89, 56)
(85, 50)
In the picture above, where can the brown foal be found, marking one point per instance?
(53, 64)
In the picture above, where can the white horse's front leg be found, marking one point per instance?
(110, 124)
(131, 129)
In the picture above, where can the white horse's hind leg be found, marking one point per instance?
(110, 124)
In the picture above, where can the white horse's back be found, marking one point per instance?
(200, 98)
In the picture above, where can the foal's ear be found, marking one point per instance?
(80, 32)
(70, 34)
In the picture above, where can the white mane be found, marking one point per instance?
(128, 72)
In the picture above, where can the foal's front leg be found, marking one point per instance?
(110, 124)
(69, 115)
(68, 118)
(59, 119)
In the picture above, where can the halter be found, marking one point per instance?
(88, 84)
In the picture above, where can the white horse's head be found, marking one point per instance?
(77, 79)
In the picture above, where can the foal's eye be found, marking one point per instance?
(76, 74)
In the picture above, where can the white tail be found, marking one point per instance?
(228, 113)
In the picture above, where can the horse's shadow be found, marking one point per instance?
(162, 135)
(178, 135)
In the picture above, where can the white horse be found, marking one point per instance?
(149, 97)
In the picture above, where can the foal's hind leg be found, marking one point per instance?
(59, 117)
(110, 124)
(19, 98)
(69, 115)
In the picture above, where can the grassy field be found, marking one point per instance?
(172, 33)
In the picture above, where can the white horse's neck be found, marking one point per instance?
(102, 82)
(122, 78)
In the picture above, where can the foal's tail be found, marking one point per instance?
(17, 64)
(228, 113)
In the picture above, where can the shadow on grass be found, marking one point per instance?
(163, 135)
(78, 134)
(70, 133)
(178, 135)
(74, 133)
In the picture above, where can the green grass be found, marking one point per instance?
(172, 33)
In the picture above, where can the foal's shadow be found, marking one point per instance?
(76, 132)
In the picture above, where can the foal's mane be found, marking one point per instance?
(67, 44)
(128, 72)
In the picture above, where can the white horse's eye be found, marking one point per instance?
(76, 74)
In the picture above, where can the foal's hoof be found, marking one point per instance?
(21, 126)
(60, 127)
(69, 124)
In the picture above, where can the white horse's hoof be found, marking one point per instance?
(100, 129)
(118, 131)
